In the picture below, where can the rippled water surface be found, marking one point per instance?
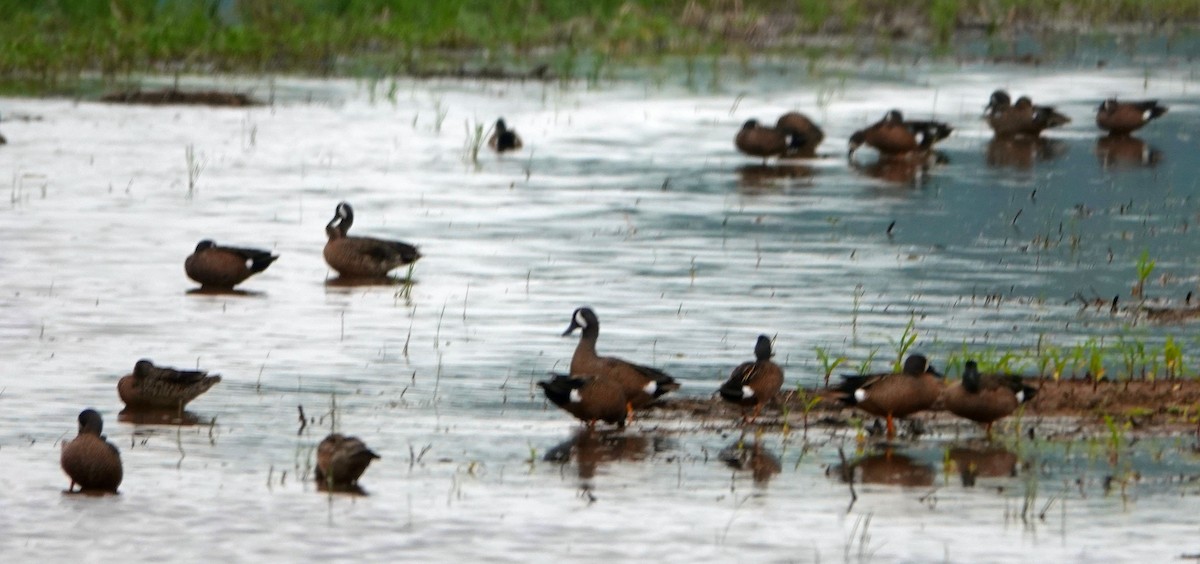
(629, 198)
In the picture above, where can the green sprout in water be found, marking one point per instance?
(828, 363)
(907, 339)
(1145, 266)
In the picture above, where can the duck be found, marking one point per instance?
(504, 139)
(341, 461)
(759, 141)
(1123, 118)
(986, 398)
(162, 387)
(753, 384)
(221, 268)
(1022, 118)
(891, 395)
(91, 462)
(809, 135)
(642, 385)
(589, 398)
(362, 257)
(893, 136)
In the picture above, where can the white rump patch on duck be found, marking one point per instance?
(860, 395)
(576, 397)
(747, 392)
(650, 387)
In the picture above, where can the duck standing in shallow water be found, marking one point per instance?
(1022, 118)
(161, 387)
(341, 461)
(753, 384)
(986, 398)
(894, 137)
(809, 135)
(1123, 118)
(362, 257)
(504, 139)
(221, 268)
(91, 462)
(893, 395)
(589, 398)
(641, 384)
(757, 141)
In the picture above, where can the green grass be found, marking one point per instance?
(46, 44)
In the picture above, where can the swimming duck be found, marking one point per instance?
(341, 460)
(892, 395)
(766, 142)
(362, 257)
(589, 398)
(222, 268)
(89, 459)
(986, 398)
(161, 387)
(893, 136)
(641, 384)
(1123, 118)
(753, 384)
(809, 134)
(504, 139)
(1022, 118)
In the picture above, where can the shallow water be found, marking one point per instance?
(627, 198)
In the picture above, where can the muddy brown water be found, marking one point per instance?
(631, 199)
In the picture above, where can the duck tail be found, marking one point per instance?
(559, 387)
(851, 384)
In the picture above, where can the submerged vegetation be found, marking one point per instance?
(49, 42)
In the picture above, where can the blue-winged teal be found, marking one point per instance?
(806, 135)
(362, 257)
(753, 384)
(89, 460)
(341, 460)
(589, 398)
(642, 384)
(757, 141)
(986, 398)
(504, 139)
(893, 136)
(1022, 118)
(1123, 118)
(222, 268)
(893, 395)
(161, 387)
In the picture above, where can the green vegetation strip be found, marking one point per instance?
(41, 42)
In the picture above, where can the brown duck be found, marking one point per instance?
(1123, 118)
(589, 398)
(753, 384)
(809, 135)
(1022, 118)
(341, 460)
(161, 387)
(504, 139)
(892, 395)
(893, 136)
(986, 398)
(221, 268)
(362, 257)
(766, 142)
(641, 384)
(89, 460)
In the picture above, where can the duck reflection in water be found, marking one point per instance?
(754, 457)
(158, 417)
(909, 169)
(887, 467)
(591, 448)
(757, 178)
(985, 460)
(1023, 152)
(1126, 151)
